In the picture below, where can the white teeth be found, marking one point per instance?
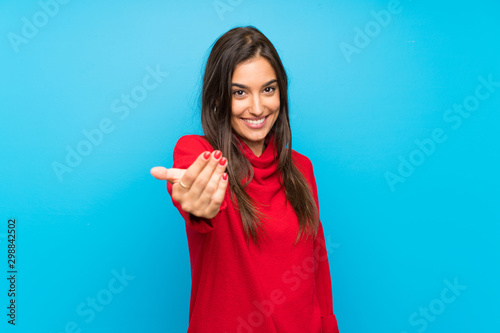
(255, 122)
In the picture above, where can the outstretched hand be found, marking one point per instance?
(199, 189)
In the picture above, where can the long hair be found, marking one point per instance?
(236, 46)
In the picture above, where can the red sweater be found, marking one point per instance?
(236, 287)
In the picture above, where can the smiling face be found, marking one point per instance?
(255, 101)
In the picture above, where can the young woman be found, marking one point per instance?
(258, 256)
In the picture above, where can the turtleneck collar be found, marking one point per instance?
(265, 165)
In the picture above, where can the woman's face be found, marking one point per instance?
(255, 101)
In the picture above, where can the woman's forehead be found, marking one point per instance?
(255, 70)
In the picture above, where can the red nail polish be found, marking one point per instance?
(223, 161)
(206, 155)
(217, 154)
(224, 176)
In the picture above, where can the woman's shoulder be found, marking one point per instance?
(301, 160)
(193, 141)
(304, 165)
(188, 148)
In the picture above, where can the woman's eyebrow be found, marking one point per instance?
(239, 85)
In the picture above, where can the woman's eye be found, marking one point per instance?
(238, 92)
(269, 89)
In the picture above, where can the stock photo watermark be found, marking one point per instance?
(454, 116)
(363, 37)
(428, 314)
(31, 26)
(103, 298)
(292, 277)
(222, 7)
(11, 271)
(122, 108)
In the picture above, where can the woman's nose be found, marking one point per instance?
(257, 109)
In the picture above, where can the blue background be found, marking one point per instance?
(356, 116)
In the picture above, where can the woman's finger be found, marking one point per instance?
(194, 170)
(171, 175)
(197, 186)
(213, 183)
(218, 197)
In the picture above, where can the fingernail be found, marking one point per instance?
(223, 161)
(217, 154)
(224, 176)
(206, 155)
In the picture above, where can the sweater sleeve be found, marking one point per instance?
(323, 278)
(186, 151)
(324, 285)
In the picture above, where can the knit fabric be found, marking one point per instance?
(237, 287)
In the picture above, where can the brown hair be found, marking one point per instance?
(235, 46)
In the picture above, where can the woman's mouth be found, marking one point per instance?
(255, 123)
